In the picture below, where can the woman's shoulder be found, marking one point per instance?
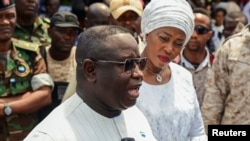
(179, 70)
(183, 81)
(181, 75)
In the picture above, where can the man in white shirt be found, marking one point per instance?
(109, 75)
(125, 13)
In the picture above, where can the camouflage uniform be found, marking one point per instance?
(16, 72)
(227, 96)
(39, 34)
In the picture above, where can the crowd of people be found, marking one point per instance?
(129, 70)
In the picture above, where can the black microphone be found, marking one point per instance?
(127, 139)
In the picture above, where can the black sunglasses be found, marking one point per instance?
(201, 29)
(129, 64)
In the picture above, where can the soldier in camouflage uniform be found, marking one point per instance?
(227, 96)
(24, 89)
(30, 27)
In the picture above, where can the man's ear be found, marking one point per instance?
(89, 69)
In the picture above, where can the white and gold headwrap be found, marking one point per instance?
(168, 13)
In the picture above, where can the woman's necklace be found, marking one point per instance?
(157, 75)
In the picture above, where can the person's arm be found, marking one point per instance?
(216, 88)
(31, 101)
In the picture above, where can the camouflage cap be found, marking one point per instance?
(6, 4)
(65, 19)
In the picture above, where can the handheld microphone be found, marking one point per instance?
(127, 139)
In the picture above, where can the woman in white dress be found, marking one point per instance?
(167, 96)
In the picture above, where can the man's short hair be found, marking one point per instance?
(93, 41)
(219, 9)
(202, 11)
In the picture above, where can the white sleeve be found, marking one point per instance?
(40, 80)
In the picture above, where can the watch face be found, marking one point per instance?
(7, 110)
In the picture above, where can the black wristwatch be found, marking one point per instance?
(7, 109)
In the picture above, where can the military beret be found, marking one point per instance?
(6, 4)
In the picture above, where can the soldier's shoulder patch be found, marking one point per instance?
(34, 47)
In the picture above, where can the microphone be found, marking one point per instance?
(127, 139)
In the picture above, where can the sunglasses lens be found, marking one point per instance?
(142, 63)
(129, 65)
(201, 30)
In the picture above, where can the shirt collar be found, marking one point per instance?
(206, 62)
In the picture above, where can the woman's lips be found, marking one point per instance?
(164, 59)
